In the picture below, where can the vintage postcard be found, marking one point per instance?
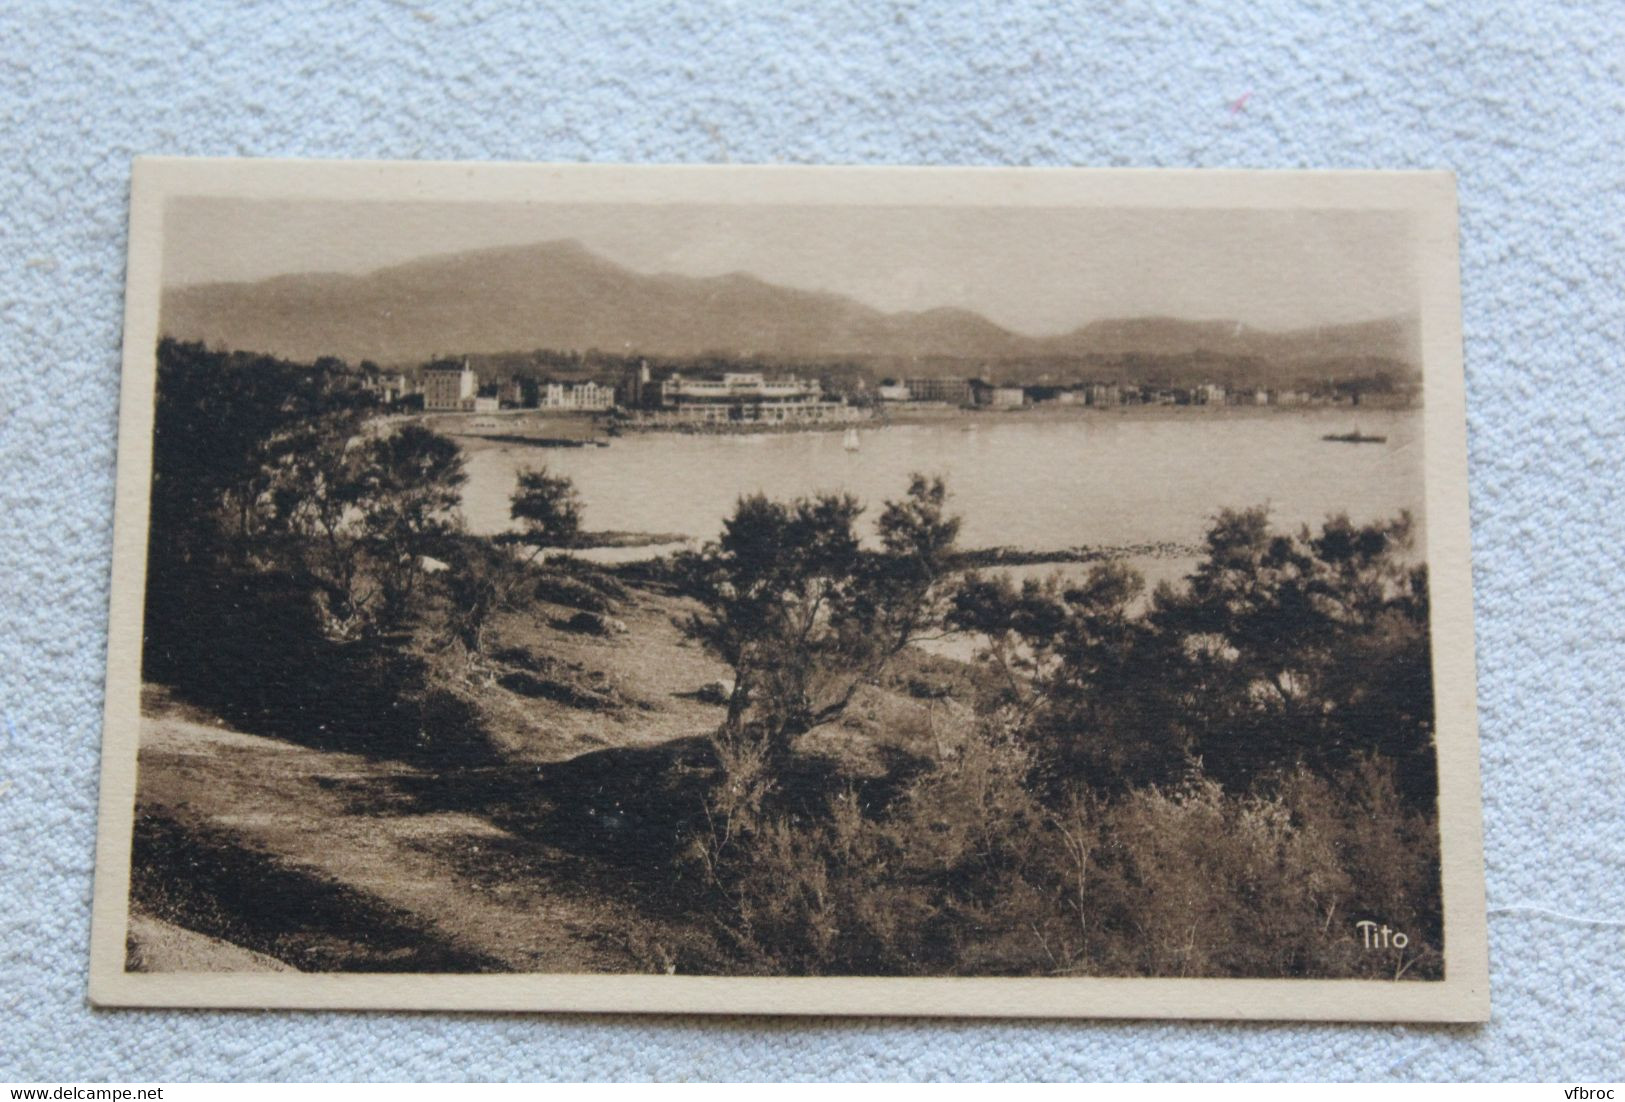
(791, 590)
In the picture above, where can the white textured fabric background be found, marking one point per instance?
(1523, 101)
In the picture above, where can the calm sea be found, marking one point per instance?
(1017, 480)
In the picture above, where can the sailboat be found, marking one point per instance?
(850, 440)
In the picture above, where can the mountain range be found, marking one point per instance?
(561, 295)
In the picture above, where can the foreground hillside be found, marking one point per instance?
(260, 853)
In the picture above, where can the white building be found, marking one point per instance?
(736, 387)
(391, 387)
(587, 395)
(746, 396)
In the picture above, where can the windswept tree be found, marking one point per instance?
(224, 425)
(547, 508)
(481, 580)
(805, 615)
(286, 541)
(352, 516)
(236, 439)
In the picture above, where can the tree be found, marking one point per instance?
(410, 494)
(224, 423)
(276, 523)
(805, 615)
(1075, 672)
(231, 433)
(1278, 651)
(310, 511)
(547, 508)
(1309, 648)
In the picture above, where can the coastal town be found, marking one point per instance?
(640, 396)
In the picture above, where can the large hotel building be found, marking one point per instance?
(745, 396)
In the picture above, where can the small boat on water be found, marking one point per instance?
(850, 440)
(1355, 437)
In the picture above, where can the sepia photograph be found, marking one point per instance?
(974, 592)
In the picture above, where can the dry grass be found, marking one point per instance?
(650, 676)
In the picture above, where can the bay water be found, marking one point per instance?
(1037, 483)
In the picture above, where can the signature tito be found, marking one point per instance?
(1381, 937)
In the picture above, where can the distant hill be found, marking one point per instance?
(561, 295)
(1389, 339)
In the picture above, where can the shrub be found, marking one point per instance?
(967, 872)
(1195, 881)
(852, 887)
(593, 577)
(560, 589)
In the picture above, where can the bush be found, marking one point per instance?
(592, 576)
(967, 873)
(852, 887)
(1197, 882)
(1068, 825)
(561, 589)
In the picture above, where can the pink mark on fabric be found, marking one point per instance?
(1239, 105)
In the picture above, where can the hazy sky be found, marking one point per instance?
(1037, 271)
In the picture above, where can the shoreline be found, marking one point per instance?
(617, 538)
(589, 429)
(984, 557)
(739, 428)
(975, 558)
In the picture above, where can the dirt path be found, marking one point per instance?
(322, 860)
